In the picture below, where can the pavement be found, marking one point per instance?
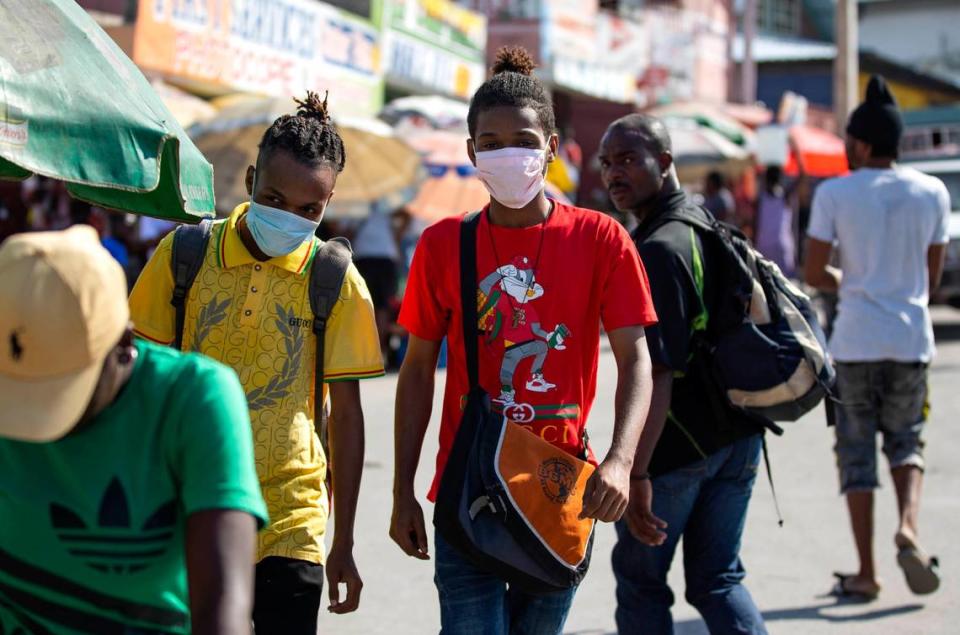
(789, 568)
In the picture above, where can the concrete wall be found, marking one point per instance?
(812, 80)
(915, 32)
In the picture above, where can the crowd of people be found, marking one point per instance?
(146, 482)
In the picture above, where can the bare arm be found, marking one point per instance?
(646, 527)
(607, 491)
(413, 408)
(817, 270)
(656, 418)
(634, 390)
(220, 549)
(346, 468)
(935, 257)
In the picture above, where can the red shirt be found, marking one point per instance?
(539, 320)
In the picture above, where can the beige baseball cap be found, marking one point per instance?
(63, 308)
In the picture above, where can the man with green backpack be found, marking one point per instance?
(738, 348)
(696, 464)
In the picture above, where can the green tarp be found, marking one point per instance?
(75, 108)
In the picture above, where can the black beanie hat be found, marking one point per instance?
(877, 120)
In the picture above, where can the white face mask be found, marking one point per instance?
(513, 176)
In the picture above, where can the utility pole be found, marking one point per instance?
(748, 68)
(846, 66)
(732, 90)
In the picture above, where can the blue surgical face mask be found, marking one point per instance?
(278, 232)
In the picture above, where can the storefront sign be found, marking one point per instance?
(594, 53)
(418, 64)
(687, 57)
(594, 80)
(274, 47)
(570, 30)
(434, 45)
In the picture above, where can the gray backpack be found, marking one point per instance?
(326, 278)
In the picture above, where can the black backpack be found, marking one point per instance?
(326, 279)
(762, 346)
(761, 351)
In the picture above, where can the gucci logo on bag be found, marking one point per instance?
(557, 478)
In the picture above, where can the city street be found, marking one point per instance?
(249, 181)
(789, 569)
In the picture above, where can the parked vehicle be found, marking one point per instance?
(931, 144)
(948, 171)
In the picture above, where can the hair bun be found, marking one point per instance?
(312, 107)
(513, 59)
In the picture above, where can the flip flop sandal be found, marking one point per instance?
(922, 571)
(841, 590)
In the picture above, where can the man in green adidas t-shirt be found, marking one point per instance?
(129, 501)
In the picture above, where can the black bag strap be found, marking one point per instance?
(189, 249)
(327, 273)
(468, 294)
(670, 216)
(773, 490)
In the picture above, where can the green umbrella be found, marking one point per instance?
(74, 107)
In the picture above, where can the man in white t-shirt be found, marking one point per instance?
(889, 224)
(377, 257)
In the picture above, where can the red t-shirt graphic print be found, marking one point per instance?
(542, 294)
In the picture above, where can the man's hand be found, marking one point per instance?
(644, 526)
(341, 569)
(407, 528)
(605, 496)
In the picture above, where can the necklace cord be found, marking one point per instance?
(536, 264)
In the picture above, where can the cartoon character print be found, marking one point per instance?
(506, 311)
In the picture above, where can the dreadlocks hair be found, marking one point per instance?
(310, 135)
(513, 84)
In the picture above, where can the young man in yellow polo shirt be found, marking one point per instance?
(249, 308)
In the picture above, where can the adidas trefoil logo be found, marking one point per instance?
(114, 545)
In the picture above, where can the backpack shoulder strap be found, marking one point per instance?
(468, 291)
(189, 249)
(327, 273)
(688, 219)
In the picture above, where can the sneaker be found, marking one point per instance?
(539, 384)
(506, 397)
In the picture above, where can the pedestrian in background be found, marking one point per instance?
(889, 223)
(550, 274)
(718, 199)
(695, 467)
(128, 496)
(377, 255)
(249, 307)
(775, 237)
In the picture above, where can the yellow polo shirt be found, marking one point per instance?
(256, 318)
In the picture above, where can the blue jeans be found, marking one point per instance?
(706, 503)
(473, 602)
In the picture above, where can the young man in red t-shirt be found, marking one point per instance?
(549, 276)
